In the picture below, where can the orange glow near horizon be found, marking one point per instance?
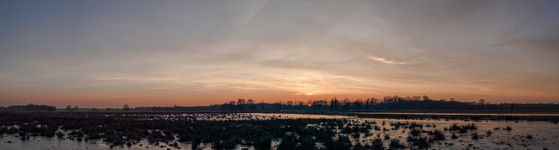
(203, 99)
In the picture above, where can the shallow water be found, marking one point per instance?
(461, 114)
(543, 134)
(66, 144)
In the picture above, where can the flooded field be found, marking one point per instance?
(266, 131)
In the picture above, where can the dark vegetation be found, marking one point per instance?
(389, 103)
(167, 126)
(224, 130)
(359, 108)
(334, 105)
(28, 107)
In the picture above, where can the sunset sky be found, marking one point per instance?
(106, 53)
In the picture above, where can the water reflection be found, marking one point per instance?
(359, 132)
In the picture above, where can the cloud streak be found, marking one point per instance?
(254, 9)
(385, 61)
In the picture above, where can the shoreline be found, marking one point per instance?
(509, 116)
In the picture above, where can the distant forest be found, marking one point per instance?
(389, 103)
(28, 107)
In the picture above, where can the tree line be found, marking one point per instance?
(28, 107)
(388, 103)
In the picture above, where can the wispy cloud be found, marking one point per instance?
(386, 61)
(255, 9)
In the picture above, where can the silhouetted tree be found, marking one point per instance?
(426, 98)
(334, 104)
(346, 104)
(241, 104)
(251, 105)
(125, 107)
(29, 107)
(358, 104)
(368, 104)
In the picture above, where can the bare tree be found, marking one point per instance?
(125, 107)
(481, 101)
(251, 104)
(241, 104)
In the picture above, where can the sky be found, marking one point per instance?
(107, 53)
